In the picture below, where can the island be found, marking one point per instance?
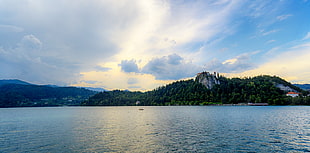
(209, 89)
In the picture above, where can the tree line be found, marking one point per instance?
(22, 95)
(259, 89)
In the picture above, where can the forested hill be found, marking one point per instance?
(16, 93)
(260, 89)
(14, 81)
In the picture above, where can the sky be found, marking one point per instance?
(139, 45)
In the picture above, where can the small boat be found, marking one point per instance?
(141, 108)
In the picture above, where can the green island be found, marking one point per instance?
(205, 89)
(209, 89)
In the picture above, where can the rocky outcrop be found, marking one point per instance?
(285, 88)
(208, 79)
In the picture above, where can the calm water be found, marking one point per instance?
(156, 129)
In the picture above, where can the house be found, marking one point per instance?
(292, 94)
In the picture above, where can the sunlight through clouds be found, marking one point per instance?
(292, 65)
(141, 44)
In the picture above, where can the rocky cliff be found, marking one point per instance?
(208, 79)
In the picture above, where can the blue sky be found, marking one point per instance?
(143, 44)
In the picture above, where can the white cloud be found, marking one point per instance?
(230, 61)
(236, 65)
(129, 66)
(65, 35)
(121, 80)
(269, 32)
(270, 41)
(10, 28)
(166, 27)
(283, 17)
(292, 65)
(71, 41)
(26, 61)
(162, 29)
(101, 68)
(307, 36)
(171, 67)
(272, 52)
(31, 42)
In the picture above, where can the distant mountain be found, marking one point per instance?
(16, 93)
(303, 86)
(14, 81)
(50, 85)
(95, 89)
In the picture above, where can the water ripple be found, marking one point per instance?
(156, 129)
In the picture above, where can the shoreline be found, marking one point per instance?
(149, 105)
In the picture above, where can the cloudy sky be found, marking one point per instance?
(143, 44)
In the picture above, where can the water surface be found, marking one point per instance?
(156, 129)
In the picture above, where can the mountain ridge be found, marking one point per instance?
(13, 81)
(206, 88)
(303, 86)
(17, 93)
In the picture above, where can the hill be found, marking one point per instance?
(95, 89)
(208, 89)
(303, 86)
(16, 93)
(13, 81)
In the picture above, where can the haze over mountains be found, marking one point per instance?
(303, 86)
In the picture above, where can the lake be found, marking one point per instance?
(156, 129)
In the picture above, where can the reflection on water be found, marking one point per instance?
(156, 129)
(116, 129)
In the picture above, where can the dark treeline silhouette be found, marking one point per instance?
(26, 95)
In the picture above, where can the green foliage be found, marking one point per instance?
(114, 98)
(299, 100)
(186, 92)
(22, 95)
(260, 89)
